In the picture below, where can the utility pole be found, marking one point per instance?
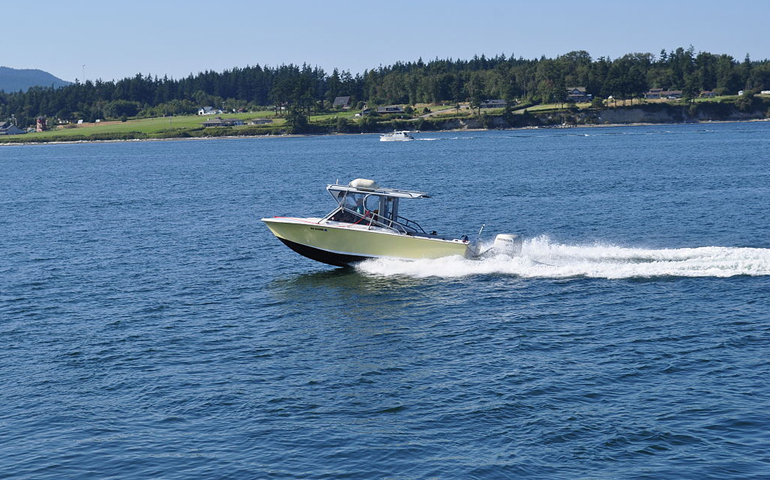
(84, 73)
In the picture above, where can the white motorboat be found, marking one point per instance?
(367, 224)
(397, 136)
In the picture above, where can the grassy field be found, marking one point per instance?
(550, 107)
(158, 126)
(148, 126)
(166, 127)
(326, 116)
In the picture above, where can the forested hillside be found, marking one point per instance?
(14, 80)
(311, 89)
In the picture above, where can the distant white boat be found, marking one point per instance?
(397, 136)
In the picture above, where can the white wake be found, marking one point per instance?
(542, 258)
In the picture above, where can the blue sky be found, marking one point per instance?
(172, 37)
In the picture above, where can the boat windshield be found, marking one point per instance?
(360, 203)
(372, 209)
(363, 202)
(353, 201)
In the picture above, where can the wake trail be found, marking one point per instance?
(542, 258)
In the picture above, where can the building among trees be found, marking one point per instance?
(8, 128)
(341, 103)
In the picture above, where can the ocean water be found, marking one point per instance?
(152, 327)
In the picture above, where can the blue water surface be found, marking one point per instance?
(152, 327)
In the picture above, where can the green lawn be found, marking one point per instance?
(148, 125)
(342, 113)
(544, 107)
(730, 98)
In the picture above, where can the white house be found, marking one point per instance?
(208, 111)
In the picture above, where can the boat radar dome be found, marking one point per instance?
(364, 184)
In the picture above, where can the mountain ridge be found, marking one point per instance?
(15, 79)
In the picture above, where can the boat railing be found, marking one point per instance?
(400, 224)
(410, 225)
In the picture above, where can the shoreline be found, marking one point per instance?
(234, 137)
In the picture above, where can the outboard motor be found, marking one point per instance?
(507, 244)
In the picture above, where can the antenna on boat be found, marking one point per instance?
(475, 246)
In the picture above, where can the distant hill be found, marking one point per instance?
(13, 80)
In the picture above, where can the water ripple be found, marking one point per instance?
(153, 329)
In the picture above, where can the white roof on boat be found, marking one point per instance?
(370, 187)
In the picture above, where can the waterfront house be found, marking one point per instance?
(341, 103)
(390, 109)
(8, 128)
(223, 122)
(656, 93)
(213, 122)
(497, 103)
(261, 121)
(578, 95)
(653, 94)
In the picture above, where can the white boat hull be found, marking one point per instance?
(396, 137)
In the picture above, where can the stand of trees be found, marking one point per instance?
(306, 90)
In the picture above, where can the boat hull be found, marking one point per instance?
(392, 139)
(324, 256)
(396, 137)
(345, 244)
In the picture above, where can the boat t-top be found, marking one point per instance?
(367, 223)
(397, 136)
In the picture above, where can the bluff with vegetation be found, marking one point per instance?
(304, 90)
